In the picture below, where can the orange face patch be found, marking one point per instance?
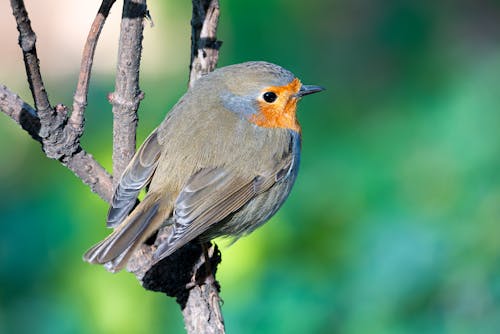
(282, 112)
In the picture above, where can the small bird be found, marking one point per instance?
(221, 164)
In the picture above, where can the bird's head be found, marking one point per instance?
(263, 93)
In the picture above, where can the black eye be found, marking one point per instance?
(269, 97)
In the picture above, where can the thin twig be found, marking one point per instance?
(80, 98)
(127, 95)
(27, 42)
(204, 43)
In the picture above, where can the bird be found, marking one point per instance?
(221, 164)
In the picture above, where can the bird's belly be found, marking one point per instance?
(255, 213)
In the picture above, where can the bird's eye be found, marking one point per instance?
(269, 97)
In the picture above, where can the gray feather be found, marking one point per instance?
(119, 244)
(135, 177)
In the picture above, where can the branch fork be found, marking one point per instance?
(188, 274)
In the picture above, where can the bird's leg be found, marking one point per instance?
(204, 260)
(208, 252)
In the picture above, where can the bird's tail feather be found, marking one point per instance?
(116, 249)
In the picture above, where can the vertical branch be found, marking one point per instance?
(204, 43)
(189, 273)
(127, 96)
(188, 276)
(80, 98)
(202, 310)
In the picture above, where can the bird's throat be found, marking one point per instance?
(282, 113)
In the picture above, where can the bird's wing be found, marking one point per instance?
(135, 177)
(210, 196)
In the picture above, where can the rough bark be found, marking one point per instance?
(127, 95)
(204, 43)
(77, 119)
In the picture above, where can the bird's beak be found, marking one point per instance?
(308, 89)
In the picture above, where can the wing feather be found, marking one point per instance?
(209, 197)
(135, 177)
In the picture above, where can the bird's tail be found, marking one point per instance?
(115, 251)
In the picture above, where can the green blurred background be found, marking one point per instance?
(393, 224)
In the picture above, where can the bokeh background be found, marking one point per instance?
(392, 227)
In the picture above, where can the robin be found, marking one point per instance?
(221, 163)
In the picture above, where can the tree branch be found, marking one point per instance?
(48, 125)
(77, 119)
(27, 42)
(187, 275)
(79, 161)
(22, 113)
(127, 95)
(204, 43)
